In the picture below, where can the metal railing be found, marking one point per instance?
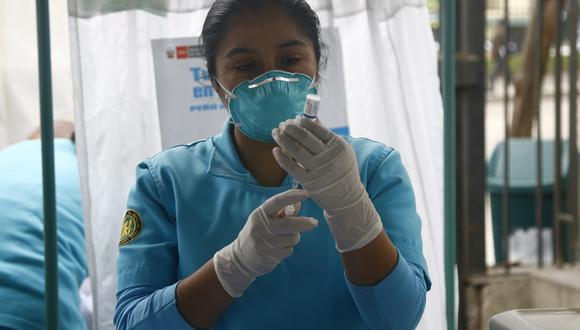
(48, 174)
(462, 76)
(571, 217)
(506, 168)
(566, 36)
(448, 39)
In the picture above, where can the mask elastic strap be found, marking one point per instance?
(230, 95)
(314, 83)
(231, 121)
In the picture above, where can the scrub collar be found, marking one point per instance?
(225, 161)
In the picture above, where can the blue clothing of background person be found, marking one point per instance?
(21, 236)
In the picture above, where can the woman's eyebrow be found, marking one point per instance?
(238, 50)
(243, 50)
(292, 43)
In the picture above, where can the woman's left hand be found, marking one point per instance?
(326, 165)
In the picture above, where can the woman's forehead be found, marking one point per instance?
(267, 27)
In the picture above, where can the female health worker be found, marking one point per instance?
(206, 241)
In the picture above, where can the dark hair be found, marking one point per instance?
(222, 12)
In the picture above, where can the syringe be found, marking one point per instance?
(311, 107)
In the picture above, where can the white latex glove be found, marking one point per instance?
(326, 166)
(268, 237)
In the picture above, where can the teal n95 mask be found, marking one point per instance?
(259, 105)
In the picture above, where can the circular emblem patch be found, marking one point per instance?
(131, 227)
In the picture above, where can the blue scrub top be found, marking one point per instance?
(193, 200)
(21, 236)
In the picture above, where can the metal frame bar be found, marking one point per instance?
(558, 137)
(448, 39)
(470, 150)
(538, 77)
(48, 175)
(573, 145)
(506, 165)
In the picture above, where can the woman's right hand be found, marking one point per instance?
(267, 238)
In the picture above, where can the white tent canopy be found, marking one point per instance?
(392, 93)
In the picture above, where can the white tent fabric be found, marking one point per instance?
(19, 105)
(390, 66)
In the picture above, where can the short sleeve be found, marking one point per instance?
(390, 189)
(148, 250)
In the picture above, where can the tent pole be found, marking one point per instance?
(48, 175)
(448, 39)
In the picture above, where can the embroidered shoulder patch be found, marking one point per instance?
(131, 227)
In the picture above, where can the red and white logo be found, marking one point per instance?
(182, 52)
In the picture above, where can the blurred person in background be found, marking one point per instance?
(22, 284)
(499, 54)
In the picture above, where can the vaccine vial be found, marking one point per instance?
(311, 106)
